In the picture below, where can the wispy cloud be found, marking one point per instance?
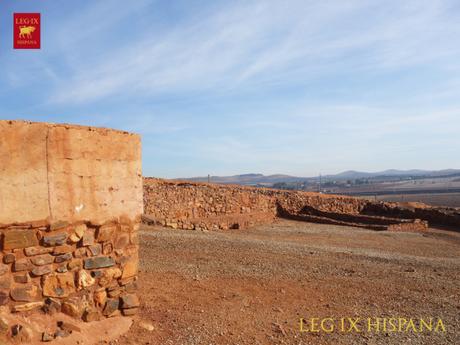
(268, 86)
(248, 44)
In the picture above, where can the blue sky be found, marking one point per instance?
(229, 87)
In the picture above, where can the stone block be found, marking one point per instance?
(5, 282)
(22, 265)
(106, 232)
(98, 262)
(54, 239)
(130, 268)
(32, 251)
(88, 237)
(27, 306)
(111, 307)
(42, 260)
(95, 249)
(59, 285)
(9, 258)
(15, 239)
(65, 249)
(84, 279)
(129, 301)
(72, 307)
(4, 269)
(4, 298)
(63, 258)
(23, 278)
(42, 270)
(27, 293)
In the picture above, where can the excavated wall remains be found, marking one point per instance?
(204, 206)
(70, 208)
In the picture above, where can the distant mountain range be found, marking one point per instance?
(260, 179)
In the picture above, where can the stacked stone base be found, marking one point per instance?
(220, 222)
(87, 270)
(201, 206)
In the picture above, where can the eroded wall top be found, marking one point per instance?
(67, 172)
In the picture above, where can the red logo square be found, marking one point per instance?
(26, 30)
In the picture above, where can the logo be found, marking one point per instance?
(26, 31)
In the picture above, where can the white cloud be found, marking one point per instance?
(254, 44)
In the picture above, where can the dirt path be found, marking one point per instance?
(252, 287)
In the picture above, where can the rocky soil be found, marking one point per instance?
(253, 286)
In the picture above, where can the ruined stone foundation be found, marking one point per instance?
(70, 206)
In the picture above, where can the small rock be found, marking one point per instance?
(47, 337)
(111, 307)
(147, 326)
(22, 278)
(9, 258)
(60, 333)
(3, 298)
(64, 257)
(4, 328)
(26, 306)
(85, 279)
(130, 312)
(42, 260)
(21, 334)
(59, 225)
(98, 262)
(16, 329)
(41, 271)
(51, 306)
(67, 326)
(91, 315)
(55, 239)
(25, 294)
(129, 301)
(71, 308)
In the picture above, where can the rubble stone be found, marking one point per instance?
(59, 285)
(98, 262)
(70, 194)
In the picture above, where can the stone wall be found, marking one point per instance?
(202, 206)
(70, 207)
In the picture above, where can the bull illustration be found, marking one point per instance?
(26, 31)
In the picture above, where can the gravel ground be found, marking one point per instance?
(253, 286)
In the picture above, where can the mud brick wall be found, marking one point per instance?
(70, 207)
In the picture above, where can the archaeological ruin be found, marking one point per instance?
(71, 202)
(204, 206)
(70, 207)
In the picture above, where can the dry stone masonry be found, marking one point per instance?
(70, 207)
(203, 206)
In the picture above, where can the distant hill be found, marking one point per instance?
(352, 174)
(248, 179)
(269, 180)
